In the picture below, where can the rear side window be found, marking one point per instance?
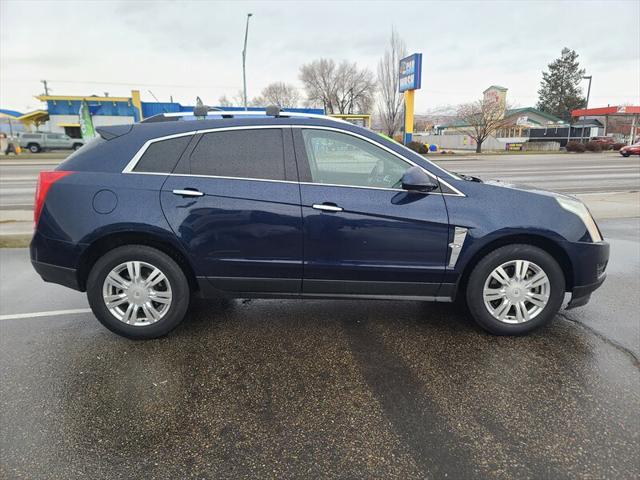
(255, 153)
(162, 156)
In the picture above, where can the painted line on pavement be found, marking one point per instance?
(17, 316)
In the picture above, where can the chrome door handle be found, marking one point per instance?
(188, 193)
(327, 208)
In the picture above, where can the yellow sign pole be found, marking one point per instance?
(408, 116)
(137, 104)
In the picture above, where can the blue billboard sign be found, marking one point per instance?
(411, 72)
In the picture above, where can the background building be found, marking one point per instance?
(514, 131)
(61, 113)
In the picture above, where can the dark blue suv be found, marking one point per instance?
(280, 205)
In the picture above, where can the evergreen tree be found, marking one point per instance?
(560, 90)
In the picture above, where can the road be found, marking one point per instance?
(321, 389)
(569, 173)
(18, 184)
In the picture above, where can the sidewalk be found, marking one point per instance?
(612, 205)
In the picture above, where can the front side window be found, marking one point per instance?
(340, 159)
(251, 153)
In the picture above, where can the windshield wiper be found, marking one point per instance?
(468, 178)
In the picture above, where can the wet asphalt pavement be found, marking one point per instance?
(331, 389)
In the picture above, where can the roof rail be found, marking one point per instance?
(215, 112)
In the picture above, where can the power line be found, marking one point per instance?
(93, 82)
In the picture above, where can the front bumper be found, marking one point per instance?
(589, 264)
(582, 294)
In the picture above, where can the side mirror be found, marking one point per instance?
(416, 180)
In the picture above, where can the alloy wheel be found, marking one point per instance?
(516, 292)
(137, 293)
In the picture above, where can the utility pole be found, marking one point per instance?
(46, 88)
(244, 61)
(588, 77)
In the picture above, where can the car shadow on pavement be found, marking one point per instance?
(275, 388)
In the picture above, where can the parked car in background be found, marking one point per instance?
(605, 142)
(285, 205)
(39, 141)
(630, 150)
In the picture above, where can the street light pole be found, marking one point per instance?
(244, 62)
(588, 77)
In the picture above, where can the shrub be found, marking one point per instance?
(418, 147)
(594, 147)
(617, 146)
(575, 147)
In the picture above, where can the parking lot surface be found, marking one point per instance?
(331, 389)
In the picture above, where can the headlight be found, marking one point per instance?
(580, 209)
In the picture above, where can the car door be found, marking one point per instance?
(53, 141)
(66, 142)
(363, 234)
(234, 202)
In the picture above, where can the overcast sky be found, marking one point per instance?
(194, 48)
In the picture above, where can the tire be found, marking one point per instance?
(625, 154)
(34, 148)
(76, 146)
(517, 292)
(145, 325)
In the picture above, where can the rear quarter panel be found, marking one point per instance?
(85, 206)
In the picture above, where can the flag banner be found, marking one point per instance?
(86, 123)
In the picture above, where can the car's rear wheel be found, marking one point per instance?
(138, 292)
(515, 289)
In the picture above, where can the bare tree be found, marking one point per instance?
(318, 79)
(223, 101)
(354, 89)
(480, 119)
(238, 99)
(343, 89)
(258, 101)
(281, 94)
(390, 103)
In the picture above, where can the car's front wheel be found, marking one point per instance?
(515, 289)
(138, 292)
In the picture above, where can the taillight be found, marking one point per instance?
(45, 181)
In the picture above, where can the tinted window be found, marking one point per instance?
(240, 153)
(162, 156)
(341, 159)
